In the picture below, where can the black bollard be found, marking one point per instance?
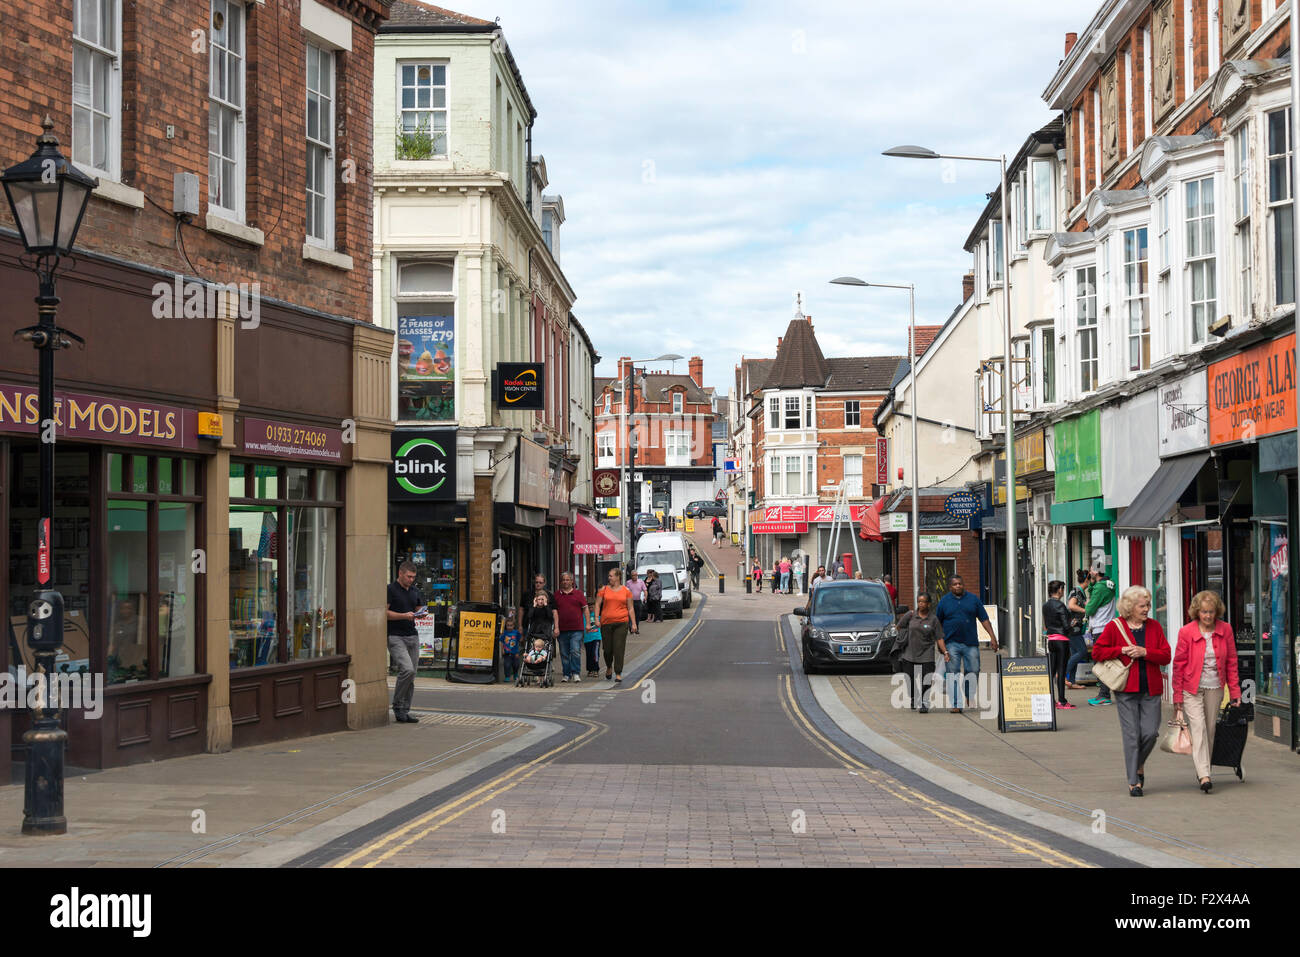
(749, 585)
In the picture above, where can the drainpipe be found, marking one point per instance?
(528, 173)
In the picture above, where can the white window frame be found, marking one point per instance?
(774, 413)
(1085, 333)
(1045, 361)
(677, 449)
(1199, 259)
(605, 449)
(96, 50)
(809, 411)
(773, 475)
(856, 412)
(1043, 213)
(218, 107)
(1283, 205)
(1105, 325)
(810, 475)
(1147, 81)
(677, 403)
(1136, 254)
(1083, 155)
(1243, 249)
(1096, 133)
(1212, 22)
(853, 490)
(995, 253)
(323, 143)
(433, 65)
(786, 407)
(797, 472)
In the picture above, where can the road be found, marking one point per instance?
(718, 756)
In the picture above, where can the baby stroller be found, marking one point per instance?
(540, 673)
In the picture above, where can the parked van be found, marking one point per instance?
(666, 548)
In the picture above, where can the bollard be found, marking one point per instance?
(749, 585)
(722, 583)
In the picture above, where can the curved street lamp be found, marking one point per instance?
(47, 196)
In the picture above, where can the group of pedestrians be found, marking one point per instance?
(950, 629)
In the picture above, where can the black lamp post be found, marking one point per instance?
(47, 196)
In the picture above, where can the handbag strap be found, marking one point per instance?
(1124, 630)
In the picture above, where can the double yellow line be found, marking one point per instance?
(421, 827)
(909, 795)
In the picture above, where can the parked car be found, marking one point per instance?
(666, 548)
(646, 522)
(670, 600)
(846, 623)
(702, 508)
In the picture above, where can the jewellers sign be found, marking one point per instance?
(1183, 415)
(424, 466)
(99, 418)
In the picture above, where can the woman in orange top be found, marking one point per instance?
(616, 615)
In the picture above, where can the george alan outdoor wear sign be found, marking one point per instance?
(424, 466)
(521, 385)
(1253, 394)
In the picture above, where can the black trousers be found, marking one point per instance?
(1058, 654)
(918, 671)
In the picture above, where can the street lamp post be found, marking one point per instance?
(1008, 411)
(627, 382)
(47, 196)
(911, 366)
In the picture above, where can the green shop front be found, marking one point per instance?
(1080, 519)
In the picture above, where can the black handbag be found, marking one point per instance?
(1230, 734)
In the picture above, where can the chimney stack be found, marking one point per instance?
(697, 370)
(967, 286)
(1070, 40)
(779, 340)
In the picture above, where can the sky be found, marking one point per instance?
(717, 158)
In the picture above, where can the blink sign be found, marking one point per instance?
(424, 466)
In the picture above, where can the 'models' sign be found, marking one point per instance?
(424, 466)
(99, 418)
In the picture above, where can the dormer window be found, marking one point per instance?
(677, 403)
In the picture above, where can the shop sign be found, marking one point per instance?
(963, 504)
(1031, 454)
(605, 481)
(895, 522)
(560, 493)
(940, 543)
(730, 465)
(779, 528)
(882, 460)
(785, 513)
(825, 514)
(1182, 414)
(100, 419)
(1078, 458)
(426, 373)
(424, 466)
(521, 385)
(289, 440)
(532, 471)
(1253, 393)
(477, 639)
(1025, 701)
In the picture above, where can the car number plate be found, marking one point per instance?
(856, 649)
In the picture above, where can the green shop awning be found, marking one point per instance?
(1084, 511)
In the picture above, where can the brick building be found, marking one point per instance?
(226, 581)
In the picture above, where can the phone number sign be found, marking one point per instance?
(292, 441)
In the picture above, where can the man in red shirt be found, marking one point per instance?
(571, 606)
(889, 587)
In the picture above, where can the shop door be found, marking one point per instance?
(1191, 571)
(937, 573)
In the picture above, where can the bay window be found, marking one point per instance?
(995, 253)
(1241, 218)
(1137, 306)
(810, 476)
(1044, 213)
(1200, 255)
(1281, 209)
(1047, 364)
(792, 404)
(774, 413)
(677, 446)
(793, 466)
(774, 475)
(1085, 317)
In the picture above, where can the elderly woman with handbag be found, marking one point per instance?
(1204, 664)
(1129, 653)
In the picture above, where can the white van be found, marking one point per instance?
(666, 548)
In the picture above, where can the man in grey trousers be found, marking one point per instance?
(403, 643)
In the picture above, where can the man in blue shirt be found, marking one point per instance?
(958, 612)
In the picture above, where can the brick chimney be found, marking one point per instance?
(779, 339)
(697, 370)
(1070, 40)
(967, 286)
(623, 363)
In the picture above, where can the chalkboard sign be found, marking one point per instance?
(1025, 695)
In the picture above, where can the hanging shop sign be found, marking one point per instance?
(426, 372)
(1183, 415)
(521, 385)
(963, 504)
(533, 476)
(1078, 457)
(101, 419)
(290, 440)
(424, 466)
(730, 465)
(605, 481)
(1031, 454)
(1253, 393)
(1025, 702)
(882, 460)
(895, 522)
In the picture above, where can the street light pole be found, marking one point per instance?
(1008, 412)
(911, 367)
(628, 384)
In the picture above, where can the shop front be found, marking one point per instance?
(427, 527)
(1078, 509)
(521, 523)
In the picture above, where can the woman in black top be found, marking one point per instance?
(1056, 622)
(654, 593)
(920, 634)
(539, 614)
(1075, 605)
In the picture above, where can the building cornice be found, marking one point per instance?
(1096, 45)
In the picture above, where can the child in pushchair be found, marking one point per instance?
(537, 665)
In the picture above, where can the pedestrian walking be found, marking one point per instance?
(571, 614)
(839, 570)
(922, 635)
(538, 613)
(757, 575)
(818, 577)
(717, 531)
(637, 587)
(1204, 664)
(1100, 611)
(654, 593)
(796, 571)
(958, 612)
(512, 646)
(1132, 635)
(404, 607)
(695, 563)
(617, 616)
(1057, 626)
(889, 587)
(1080, 650)
(785, 574)
(591, 642)
(776, 575)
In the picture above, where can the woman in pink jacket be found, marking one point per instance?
(1205, 663)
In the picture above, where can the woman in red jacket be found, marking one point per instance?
(1204, 664)
(1141, 641)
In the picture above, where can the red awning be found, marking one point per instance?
(593, 538)
(870, 525)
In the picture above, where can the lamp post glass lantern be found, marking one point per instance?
(47, 197)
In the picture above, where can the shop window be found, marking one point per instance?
(152, 532)
(283, 564)
(1272, 663)
(435, 552)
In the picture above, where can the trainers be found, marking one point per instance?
(1065, 706)
(565, 679)
(577, 678)
(1099, 701)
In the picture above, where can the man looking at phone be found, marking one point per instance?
(404, 607)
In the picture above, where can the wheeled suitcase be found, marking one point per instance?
(1230, 733)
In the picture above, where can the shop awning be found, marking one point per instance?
(593, 538)
(1160, 494)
